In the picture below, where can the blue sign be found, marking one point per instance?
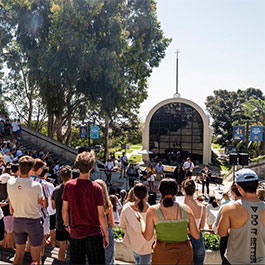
(238, 133)
(94, 132)
(256, 133)
(83, 132)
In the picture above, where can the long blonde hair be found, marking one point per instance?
(107, 202)
(130, 197)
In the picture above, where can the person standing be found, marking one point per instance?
(109, 165)
(244, 222)
(133, 238)
(179, 174)
(206, 174)
(199, 211)
(188, 167)
(57, 203)
(150, 170)
(109, 251)
(15, 128)
(132, 174)
(159, 170)
(85, 201)
(124, 164)
(235, 194)
(35, 173)
(25, 196)
(211, 208)
(52, 212)
(171, 221)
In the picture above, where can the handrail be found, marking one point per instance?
(48, 139)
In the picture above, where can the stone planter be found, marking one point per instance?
(122, 253)
(212, 257)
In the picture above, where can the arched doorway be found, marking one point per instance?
(178, 127)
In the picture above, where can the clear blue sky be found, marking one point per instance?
(222, 44)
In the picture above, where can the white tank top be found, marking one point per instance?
(198, 220)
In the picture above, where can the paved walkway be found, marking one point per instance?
(50, 257)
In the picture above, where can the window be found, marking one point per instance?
(176, 127)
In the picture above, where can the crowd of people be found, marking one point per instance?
(8, 128)
(80, 214)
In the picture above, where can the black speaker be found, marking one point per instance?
(243, 159)
(233, 159)
(152, 198)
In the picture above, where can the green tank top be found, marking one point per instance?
(172, 231)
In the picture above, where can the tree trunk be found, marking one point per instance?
(58, 128)
(50, 125)
(106, 138)
(67, 135)
(30, 106)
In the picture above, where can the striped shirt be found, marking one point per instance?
(46, 194)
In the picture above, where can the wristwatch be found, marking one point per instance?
(66, 226)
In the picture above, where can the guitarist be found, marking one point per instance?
(206, 174)
(188, 166)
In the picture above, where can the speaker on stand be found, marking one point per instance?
(233, 161)
(243, 159)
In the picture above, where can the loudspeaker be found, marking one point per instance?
(152, 198)
(243, 159)
(233, 159)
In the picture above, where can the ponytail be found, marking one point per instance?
(141, 205)
(168, 200)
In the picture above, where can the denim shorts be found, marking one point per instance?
(24, 227)
(198, 249)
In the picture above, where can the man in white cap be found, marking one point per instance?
(244, 222)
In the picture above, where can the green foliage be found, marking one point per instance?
(249, 112)
(217, 146)
(99, 53)
(3, 108)
(118, 233)
(221, 107)
(20, 92)
(136, 147)
(76, 141)
(257, 159)
(211, 241)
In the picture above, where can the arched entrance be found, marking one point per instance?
(178, 127)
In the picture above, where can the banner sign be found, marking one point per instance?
(238, 133)
(94, 132)
(83, 131)
(256, 133)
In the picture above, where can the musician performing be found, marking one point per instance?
(109, 165)
(205, 178)
(188, 167)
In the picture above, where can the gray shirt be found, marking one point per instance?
(246, 244)
(24, 195)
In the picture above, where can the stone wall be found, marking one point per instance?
(259, 168)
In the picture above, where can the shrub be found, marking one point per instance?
(118, 233)
(211, 241)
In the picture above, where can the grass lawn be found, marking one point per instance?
(135, 147)
(217, 146)
(135, 158)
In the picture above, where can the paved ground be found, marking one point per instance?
(50, 257)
